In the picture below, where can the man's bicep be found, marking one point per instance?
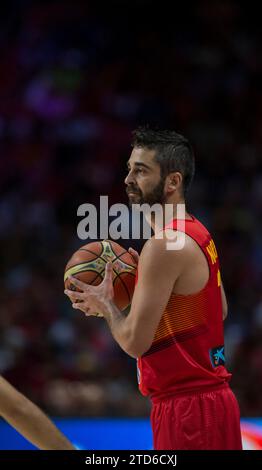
(156, 278)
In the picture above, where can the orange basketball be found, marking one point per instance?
(88, 265)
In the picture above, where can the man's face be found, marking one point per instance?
(144, 182)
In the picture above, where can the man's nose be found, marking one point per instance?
(130, 178)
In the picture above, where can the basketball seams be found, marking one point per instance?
(107, 250)
(119, 256)
(91, 270)
(122, 282)
(70, 271)
(90, 261)
(102, 249)
(111, 246)
(72, 287)
(80, 264)
(130, 265)
(98, 275)
(92, 253)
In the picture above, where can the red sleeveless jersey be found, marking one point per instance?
(187, 352)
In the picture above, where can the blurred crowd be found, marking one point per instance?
(75, 79)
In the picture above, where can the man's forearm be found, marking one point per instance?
(35, 426)
(119, 325)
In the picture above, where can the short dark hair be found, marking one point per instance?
(173, 152)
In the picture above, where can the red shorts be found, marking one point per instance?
(206, 420)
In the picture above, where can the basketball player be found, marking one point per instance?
(175, 324)
(29, 420)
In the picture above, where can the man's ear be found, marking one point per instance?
(173, 181)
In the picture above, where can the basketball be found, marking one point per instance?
(88, 265)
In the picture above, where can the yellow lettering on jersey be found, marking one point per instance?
(218, 278)
(211, 249)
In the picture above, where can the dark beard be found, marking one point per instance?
(156, 196)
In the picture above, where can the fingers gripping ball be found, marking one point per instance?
(88, 265)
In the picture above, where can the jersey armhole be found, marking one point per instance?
(207, 260)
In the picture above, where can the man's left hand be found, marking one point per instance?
(93, 300)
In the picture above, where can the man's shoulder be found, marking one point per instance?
(156, 258)
(162, 247)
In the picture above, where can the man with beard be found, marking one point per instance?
(175, 324)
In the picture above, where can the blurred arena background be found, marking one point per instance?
(75, 79)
